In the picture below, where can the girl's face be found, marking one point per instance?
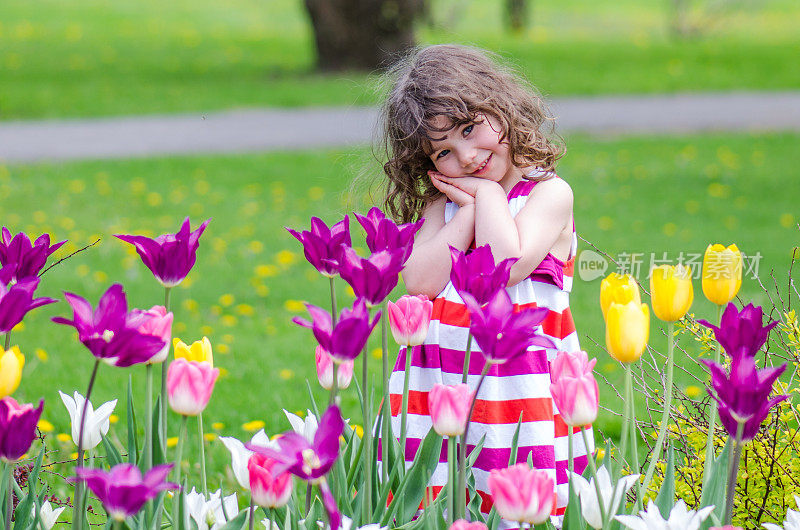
(472, 150)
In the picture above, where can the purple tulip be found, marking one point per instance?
(345, 341)
(321, 245)
(740, 332)
(123, 490)
(111, 332)
(20, 258)
(169, 257)
(743, 396)
(384, 234)
(372, 278)
(476, 274)
(310, 461)
(17, 428)
(501, 333)
(16, 299)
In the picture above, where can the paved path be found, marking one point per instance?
(286, 129)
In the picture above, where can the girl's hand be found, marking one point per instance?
(454, 193)
(469, 185)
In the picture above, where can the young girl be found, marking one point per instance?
(468, 152)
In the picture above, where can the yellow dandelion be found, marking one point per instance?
(600, 453)
(113, 419)
(692, 391)
(100, 277)
(19, 327)
(226, 300)
(201, 187)
(377, 353)
(223, 348)
(206, 329)
(217, 425)
(294, 306)
(45, 426)
(179, 327)
(39, 217)
(227, 338)
(605, 223)
(229, 320)
(286, 374)
(359, 430)
(210, 436)
(315, 193)
(154, 198)
(223, 373)
(252, 426)
(63, 437)
(172, 441)
(188, 281)
(190, 305)
(245, 310)
(285, 257)
(41, 354)
(262, 291)
(265, 271)
(73, 456)
(787, 220)
(255, 246)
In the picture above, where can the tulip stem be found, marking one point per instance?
(634, 438)
(178, 494)
(251, 512)
(164, 400)
(367, 439)
(593, 468)
(465, 372)
(202, 454)
(8, 476)
(571, 462)
(733, 472)
(8, 341)
(665, 415)
(308, 498)
(335, 383)
(404, 409)
(333, 301)
(148, 424)
(387, 413)
(462, 461)
(77, 515)
(712, 417)
(452, 461)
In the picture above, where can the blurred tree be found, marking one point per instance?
(517, 15)
(362, 34)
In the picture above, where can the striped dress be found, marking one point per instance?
(520, 386)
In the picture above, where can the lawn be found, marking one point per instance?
(104, 57)
(635, 195)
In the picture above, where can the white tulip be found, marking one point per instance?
(792, 521)
(585, 489)
(240, 455)
(97, 421)
(679, 518)
(347, 524)
(47, 515)
(307, 427)
(208, 514)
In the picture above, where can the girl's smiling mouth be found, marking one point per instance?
(482, 168)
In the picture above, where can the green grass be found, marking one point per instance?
(104, 57)
(632, 195)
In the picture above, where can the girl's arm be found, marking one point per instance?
(427, 271)
(531, 234)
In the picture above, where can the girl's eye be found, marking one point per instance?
(442, 153)
(468, 129)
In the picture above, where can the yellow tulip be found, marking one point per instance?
(619, 288)
(671, 291)
(199, 350)
(627, 330)
(11, 363)
(722, 273)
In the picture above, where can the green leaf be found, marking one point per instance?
(314, 407)
(665, 499)
(714, 490)
(23, 512)
(512, 457)
(158, 445)
(112, 454)
(133, 445)
(237, 523)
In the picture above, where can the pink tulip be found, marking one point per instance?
(574, 388)
(463, 524)
(449, 406)
(159, 325)
(189, 386)
(268, 489)
(409, 319)
(344, 373)
(522, 494)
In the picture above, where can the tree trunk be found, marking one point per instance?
(517, 15)
(362, 34)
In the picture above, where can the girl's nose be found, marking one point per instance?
(467, 156)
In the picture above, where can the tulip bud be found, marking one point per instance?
(671, 291)
(11, 364)
(522, 494)
(268, 490)
(189, 386)
(409, 319)
(199, 351)
(574, 388)
(344, 372)
(449, 406)
(627, 331)
(159, 325)
(722, 273)
(619, 288)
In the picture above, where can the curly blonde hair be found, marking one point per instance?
(458, 82)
